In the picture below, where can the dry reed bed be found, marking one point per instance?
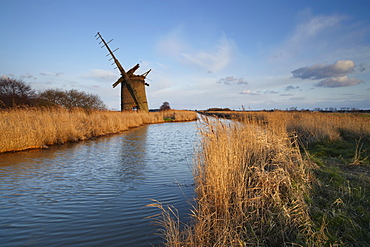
(251, 181)
(311, 127)
(36, 127)
(250, 187)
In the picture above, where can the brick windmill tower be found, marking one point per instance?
(133, 95)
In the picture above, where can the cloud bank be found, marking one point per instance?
(343, 81)
(333, 75)
(320, 71)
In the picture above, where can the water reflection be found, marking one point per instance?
(131, 156)
(93, 193)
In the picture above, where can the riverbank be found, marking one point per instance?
(31, 128)
(278, 179)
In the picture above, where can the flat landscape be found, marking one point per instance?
(185, 123)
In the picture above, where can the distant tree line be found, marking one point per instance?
(329, 109)
(69, 99)
(218, 109)
(16, 92)
(294, 109)
(334, 109)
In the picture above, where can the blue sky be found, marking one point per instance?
(251, 54)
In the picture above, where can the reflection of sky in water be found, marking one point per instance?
(94, 192)
(131, 155)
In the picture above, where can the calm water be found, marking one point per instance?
(94, 193)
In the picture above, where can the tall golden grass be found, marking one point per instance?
(22, 129)
(310, 126)
(252, 182)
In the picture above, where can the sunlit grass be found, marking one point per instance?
(277, 179)
(37, 127)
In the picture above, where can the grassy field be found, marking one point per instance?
(38, 127)
(279, 179)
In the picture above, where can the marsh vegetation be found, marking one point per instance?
(26, 128)
(277, 179)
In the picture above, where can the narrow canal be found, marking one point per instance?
(94, 193)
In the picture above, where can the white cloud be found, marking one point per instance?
(172, 44)
(51, 74)
(249, 92)
(214, 59)
(311, 34)
(320, 71)
(298, 98)
(271, 92)
(291, 87)
(101, 75)
(231, 80)
(313, 26)
(343, 81)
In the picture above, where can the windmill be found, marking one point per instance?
(133, 94)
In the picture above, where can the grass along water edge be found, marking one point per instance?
(39, 127)
(279, 179)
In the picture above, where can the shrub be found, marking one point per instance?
(15, 92)
(70, 99)
(165, 106)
